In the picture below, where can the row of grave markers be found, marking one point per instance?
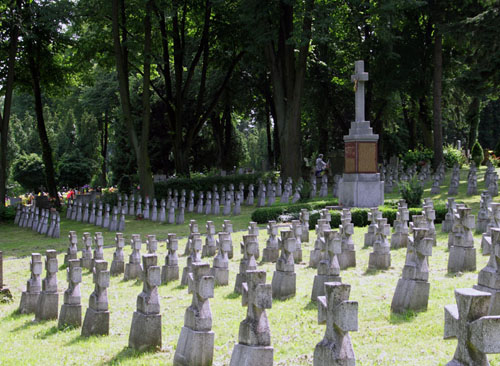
(40, 220)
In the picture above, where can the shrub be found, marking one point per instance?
(7, 214)
(417, 157)
(74, 170)
(477, 153)
(453, 156)
(264, 214)
(411, 192)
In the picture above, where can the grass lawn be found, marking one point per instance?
(383, 338)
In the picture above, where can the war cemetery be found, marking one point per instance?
(251, 183)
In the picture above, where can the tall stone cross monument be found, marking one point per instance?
(361, 185)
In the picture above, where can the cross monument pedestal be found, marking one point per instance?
(361, 185)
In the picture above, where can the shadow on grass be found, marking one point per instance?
(311, 305)
(30, 323)
(373, 272)
(79, 339)
(454, 274)
(126, 354)
(401, 318)
(232, 295)
(49, 332)
(16, 314)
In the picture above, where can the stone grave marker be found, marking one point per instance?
(196, 341)
(193, 229)
(220, 269)
(133, 269)
(284, 278)
(315, 254)
(96, 320)
(328, 266)
(476, 332)
(304, 220)
(271, 251)
(194, 256)
(483, 217)
(99, 248)
(254, 342)
(296, 228)
(209, 248)
(347, 257)
(151, 244)
(227, 227)
(462, 255)
(145, 331)
(341, 317)
(447, 224)
(399, 239)
(380, 258)
(72, 251)
(170, 271)
(373, 216)
(48, 302)
(494, 216)
(489, 276)
(29, 298)
(412, 290)
(249, 248)
(86, 259)
(71, 310)
(118, 263)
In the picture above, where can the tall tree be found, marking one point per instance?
(10, 36)
(140, 145)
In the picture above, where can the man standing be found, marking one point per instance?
(320, 166)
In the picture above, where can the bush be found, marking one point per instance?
(7, 214)
(264, 214)
(417, 157)
(28, 171)
(477, 153)
(411, 192)
(453, 156)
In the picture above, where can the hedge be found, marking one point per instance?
(265, 214)
(7, 214)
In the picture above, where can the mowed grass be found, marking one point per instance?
(383, 338)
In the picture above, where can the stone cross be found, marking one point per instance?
(170, 271)
(359, 78)
(145, 331)
(254, 338)
(99, 245)
(462, 254)
(86, 260)
(315, 255)
(494, 222)
(348, 256)
(271, 251)
(209, 248)
(489, 277)
(133, 269)
(380, 258)
(341, 317)
(194, 256)
(304, 220)
(249, 248)
(118, 263)
(72, 248)
(412, 290)
(151, 244)
(399, 238)
(373, 216)
(328, 266)
(48, 301)
(284, 278)
(296, 228)
(196, 341)
(29, 298)
(476, 332)
(71, 310)
(96, 320)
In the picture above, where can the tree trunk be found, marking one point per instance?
(437, 107)
(473, 119)
(5, 118)
(42, 132)
(270, 157)
(104, 148)
(425, 123)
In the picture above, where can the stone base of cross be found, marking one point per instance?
(476, 332)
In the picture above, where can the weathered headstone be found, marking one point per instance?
(133, 269)
(193, 229)
(194, 256)
(373, 216)
(249, 248)
(430, 215)
(29, 298)
(399, 239)
(341, 317)
(86, 259)
(462, 252)
(347, 257)
(284, 278)
(412, 290)
(315, 254)
(304, 220)
(472, 180)
(162, 215)
(146, 209)
(72, 250)
(209, 248)
(145, 331)
(271, 251)
(118, 263)
(250, 196)
(253, 229)
(96, 320)
(476, 332)
(380, 258)
(196, 341)
(151, 244)
(170, 271)
(494, 216)
(447, 224)
(489, 277)
(296, 228)
(71, 310)
(113, 223)
(227, 227)
(328, 266)
(254, 338)
(98, 253)
(220, 269)
(48, 302)
(106, 219)
(483, 216)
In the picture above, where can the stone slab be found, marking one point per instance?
(145, 332)
(29, 302)
(410, 295)
(194, 348)
(244, 355)
(95, 323)
(47, 306)
(71, 315)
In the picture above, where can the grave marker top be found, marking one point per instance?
(359, 78)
